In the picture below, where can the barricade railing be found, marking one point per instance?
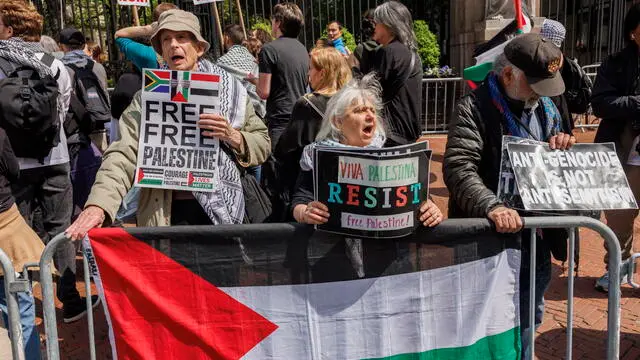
(12, 286)
(440, 96)
(573, 223)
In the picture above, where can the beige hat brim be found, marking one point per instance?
(175, 26)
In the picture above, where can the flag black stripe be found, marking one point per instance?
(283, 254)
(204, 92)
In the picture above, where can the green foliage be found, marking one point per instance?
(258, 22)
(428, 47)
(347, 36)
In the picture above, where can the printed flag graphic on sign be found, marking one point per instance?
(212, 293)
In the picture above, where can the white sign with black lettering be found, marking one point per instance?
(586, 177)
(173, 153)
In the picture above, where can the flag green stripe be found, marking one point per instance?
(151, 181)
(505, 346)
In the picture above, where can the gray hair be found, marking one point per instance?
(397, 18)
(355, 91)
(50, 46)
(502, 63)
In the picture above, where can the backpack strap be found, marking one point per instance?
(6, 67)
(48, 60)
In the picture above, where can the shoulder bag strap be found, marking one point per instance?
(313, 106)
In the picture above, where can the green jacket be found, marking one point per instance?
(116, 174)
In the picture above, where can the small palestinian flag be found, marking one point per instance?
(284, 292)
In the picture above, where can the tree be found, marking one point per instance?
(428, 47)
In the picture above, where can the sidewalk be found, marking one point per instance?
(590, 319)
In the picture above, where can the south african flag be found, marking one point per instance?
(182, 86)
(157, 81)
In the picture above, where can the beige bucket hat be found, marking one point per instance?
(177, 20)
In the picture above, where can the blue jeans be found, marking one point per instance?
(543, 278)
(256, 171)
(30, 336)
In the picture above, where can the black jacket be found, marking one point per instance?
(616, 94)
(472, 158)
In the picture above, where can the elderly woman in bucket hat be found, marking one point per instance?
(178, 40)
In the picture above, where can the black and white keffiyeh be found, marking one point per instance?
(239, 62)
(225, 205)
(21, 53)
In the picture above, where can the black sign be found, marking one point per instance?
(370, 193)
(586, 177)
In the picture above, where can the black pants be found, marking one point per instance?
(47, 191)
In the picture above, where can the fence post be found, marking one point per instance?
(48, 305)
(14, 326)
(615, 260)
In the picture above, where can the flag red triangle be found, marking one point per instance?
(179, 98)
(159, 309)
(140, 174)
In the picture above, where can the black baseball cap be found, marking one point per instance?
(71, 36)
(540, 60)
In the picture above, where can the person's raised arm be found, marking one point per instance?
(132, 32)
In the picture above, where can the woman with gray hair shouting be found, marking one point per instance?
(400, 72)
(351, 120)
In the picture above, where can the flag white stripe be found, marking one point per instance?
(448, 307)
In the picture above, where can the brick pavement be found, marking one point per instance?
(590, 306)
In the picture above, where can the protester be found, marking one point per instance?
(263, 36)
(94, 51)
(44, 184)
(577, 83)
(254, 46)
(400, 71)
(21, 245)
(367, 47)
(351, 120)
(328, 73)
(334, 37)
(239, 62)
(50, 46)
(322, 42)
(283, 63)
(177, 38)
(513, 101)
(136, 50)
(616, 99)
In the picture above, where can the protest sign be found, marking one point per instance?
(371, 193)
(133, 2)
(507, 187)
(586, 177)
(173, 153)
(200, 2)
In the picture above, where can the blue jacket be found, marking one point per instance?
(141, 55)
(339, 45)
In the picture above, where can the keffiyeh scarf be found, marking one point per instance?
(307, 158)
(225, 205)
(21, 53)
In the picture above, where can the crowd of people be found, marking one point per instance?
(280, 102)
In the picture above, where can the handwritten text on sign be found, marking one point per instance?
(587, 177)
(173, 153)
(372, 196)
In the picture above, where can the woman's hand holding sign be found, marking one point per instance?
(216, 126)
(430, 215)
(314, 213)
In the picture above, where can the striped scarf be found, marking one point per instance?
(550, 122)
(225, 205)
(20, 53)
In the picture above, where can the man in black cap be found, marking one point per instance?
(514, 100)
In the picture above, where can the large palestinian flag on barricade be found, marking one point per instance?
(281, 291)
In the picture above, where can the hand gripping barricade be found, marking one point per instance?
(256, 233)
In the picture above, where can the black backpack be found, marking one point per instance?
(578, 87)
(29, 109)
(89, 106)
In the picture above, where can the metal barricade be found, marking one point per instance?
(533, 223)
(440, 97)
(48, 302)
(12, 286)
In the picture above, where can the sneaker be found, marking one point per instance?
(76, 309)
(602, 284)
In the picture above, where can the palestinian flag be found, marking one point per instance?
(281, 291)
